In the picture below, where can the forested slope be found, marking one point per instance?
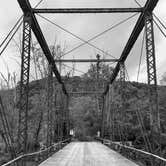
(85, 117)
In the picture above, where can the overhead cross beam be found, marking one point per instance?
(148, 8)
(85, 60)
(26, 8)
(86, 92)
(89, 10)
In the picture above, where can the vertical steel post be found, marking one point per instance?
(63, 107)
(122, 86)
(97, 79)
(63, 114)
(59, 110)
(152, 77)
(110, 111)
(122, 77)
(106, 113)
(98, 67)
(123, 98)
(49, 106)
(111, 91)
(103, 116)
(55, 128)
(24, 84)
(67, 116)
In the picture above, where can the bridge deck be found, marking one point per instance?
(87, 154)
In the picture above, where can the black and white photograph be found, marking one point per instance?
(83, 83)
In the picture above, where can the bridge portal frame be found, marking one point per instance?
(33, 24)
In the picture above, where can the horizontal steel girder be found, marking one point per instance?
(85, 60)
(86, 92)
(89, 10)
(148, 8)
(26, 8)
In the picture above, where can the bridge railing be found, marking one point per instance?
(36, 158)
(140, 156)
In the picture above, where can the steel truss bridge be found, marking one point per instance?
(30, 24)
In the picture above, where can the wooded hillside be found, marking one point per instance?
(85, 117)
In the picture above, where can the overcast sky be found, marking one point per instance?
(85, 26)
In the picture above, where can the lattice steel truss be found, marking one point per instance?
(152, 77)
(50, 106)
(122, 79)
(24, 84)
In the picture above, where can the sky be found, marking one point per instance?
(85, 26)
